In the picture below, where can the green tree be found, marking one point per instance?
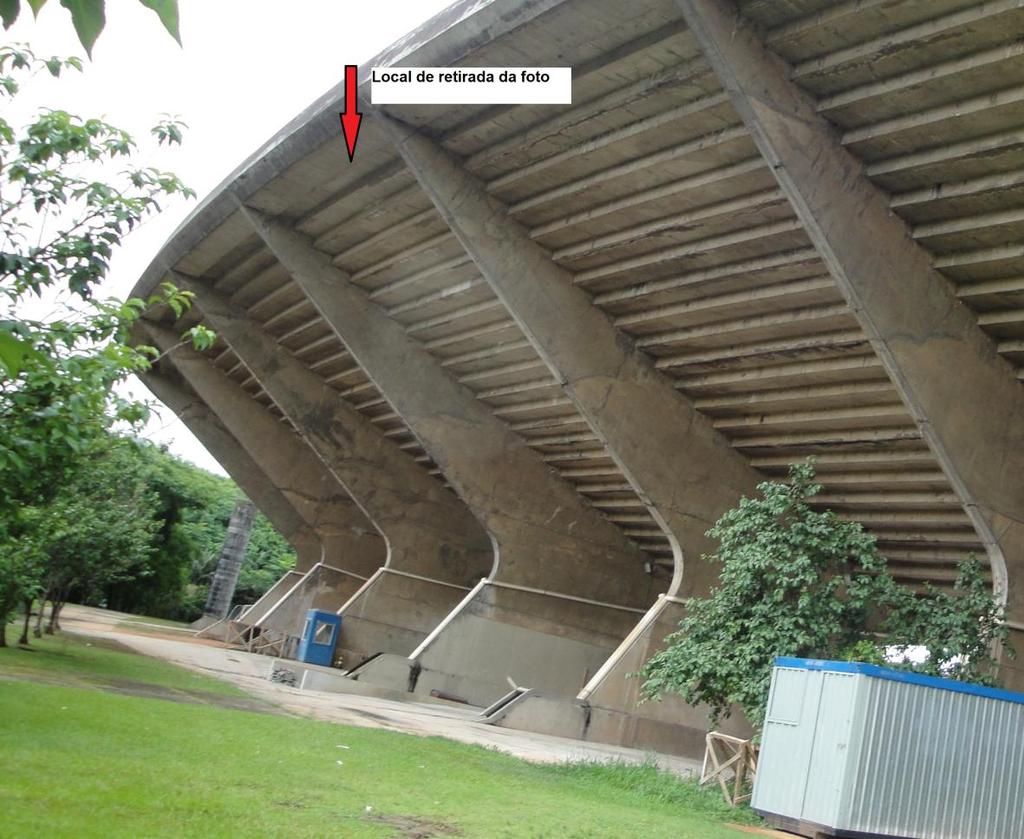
(64, 208)
(960, 628)
(22, 566)
(193, 510)
(59, 226)
(98, 529)
(138, 530)
(801, 582)
(89, 16)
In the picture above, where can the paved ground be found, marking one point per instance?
(249, 671)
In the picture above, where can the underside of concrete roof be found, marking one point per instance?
(759, 233)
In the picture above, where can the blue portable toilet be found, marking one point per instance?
(319, 637)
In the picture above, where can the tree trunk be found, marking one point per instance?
(24, 627)
(54, 624)
(6, 607)
(37, 630)
(57, 597)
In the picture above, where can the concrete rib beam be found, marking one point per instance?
(242, 468)
(427, 529)
(965, 398)
(686, 471)
(350, 540)
(546, 536)
(566, 581)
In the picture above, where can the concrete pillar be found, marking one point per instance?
(351, 543)
(229, 563)
(965, 397)
(609, 710)
(686, 472)
(436, 549)
(553, 608)
(167, 386)
(240, 465)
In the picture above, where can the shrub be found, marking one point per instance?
(796, 581)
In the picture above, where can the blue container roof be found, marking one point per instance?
(321, 615)
(876, 672)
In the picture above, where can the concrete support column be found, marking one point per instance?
(167, 386)
(546, 538)
(686, 472)
(240, 465)
(431, 536)
(965, 397)
(351, 543)
(608, 709)
(229, 563)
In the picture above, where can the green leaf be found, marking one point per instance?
(88, 18)
(13, 351)
(167, 11)
(36, 5)
(201, 337)
(9, 12)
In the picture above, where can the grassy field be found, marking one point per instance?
(83, 762)
(74, 660)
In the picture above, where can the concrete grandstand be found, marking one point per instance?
(496, 377)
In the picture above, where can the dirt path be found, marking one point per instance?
(249, 672)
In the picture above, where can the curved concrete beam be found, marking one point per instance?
(350, 541)
(685, 471)
(427, 529)
(546, 535)
(238, 463)
(565, 583)
(964, 396)
(436, 548)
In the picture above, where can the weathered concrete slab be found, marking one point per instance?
(684, 470)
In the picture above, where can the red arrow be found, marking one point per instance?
(351, 116)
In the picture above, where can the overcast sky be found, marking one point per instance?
(246, 67)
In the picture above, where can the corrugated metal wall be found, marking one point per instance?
(860, 753)
(937, 764)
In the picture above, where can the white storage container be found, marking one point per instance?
(856, 750)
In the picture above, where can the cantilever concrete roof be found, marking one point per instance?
(650, 189)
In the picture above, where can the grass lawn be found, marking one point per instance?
(74, 659)
(82, 762)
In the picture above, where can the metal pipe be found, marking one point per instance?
(451, 616)
(561, 596)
